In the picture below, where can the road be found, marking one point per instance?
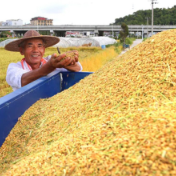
(136, 42)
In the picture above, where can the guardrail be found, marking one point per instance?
(134, 28)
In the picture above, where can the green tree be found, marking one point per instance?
(162, 16)
(124, 32)
(5, 34)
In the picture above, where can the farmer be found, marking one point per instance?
(33, 65)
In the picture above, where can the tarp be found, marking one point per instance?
(75, 42)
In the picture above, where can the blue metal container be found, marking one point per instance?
(126, 46)
(103, 46)
(13, 105)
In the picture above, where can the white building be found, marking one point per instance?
(17, 22)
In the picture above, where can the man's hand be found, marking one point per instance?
(64, 60)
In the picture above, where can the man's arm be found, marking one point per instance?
(76, 67)
(51, 65)
(35, 74)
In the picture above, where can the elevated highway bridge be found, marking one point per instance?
(98, 30)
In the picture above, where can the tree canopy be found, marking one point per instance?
(124, 32)
(162, 16)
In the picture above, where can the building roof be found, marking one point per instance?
(14, 20)
(40, 18)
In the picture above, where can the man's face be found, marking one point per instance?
(33, 51)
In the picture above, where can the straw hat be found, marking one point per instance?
(49, 40)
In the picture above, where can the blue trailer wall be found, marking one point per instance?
(70, 78)
(13, 105)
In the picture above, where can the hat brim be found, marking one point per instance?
(49, 41)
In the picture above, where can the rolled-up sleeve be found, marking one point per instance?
(14, 74)
(80, 66)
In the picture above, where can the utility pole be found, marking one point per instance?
(112, 30)
(153, 2)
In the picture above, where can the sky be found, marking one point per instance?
(76, 12)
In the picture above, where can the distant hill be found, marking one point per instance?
(162, 16)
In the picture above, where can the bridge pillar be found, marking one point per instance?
(135, 33)
(96, 32)
(51, 32)
(145, 33)
(13, 33)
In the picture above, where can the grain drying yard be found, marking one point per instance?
(120, 120)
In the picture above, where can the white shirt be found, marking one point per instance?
(15, 72)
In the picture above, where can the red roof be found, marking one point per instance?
(41, 18)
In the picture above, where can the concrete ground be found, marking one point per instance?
(136, 42)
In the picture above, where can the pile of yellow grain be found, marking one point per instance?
(120, 120)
